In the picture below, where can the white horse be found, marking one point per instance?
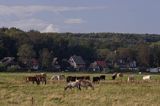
(71, 85)
(147, 77)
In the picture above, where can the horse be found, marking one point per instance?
(71, 85)
(131, 78)
(32, 79)
(96, 80)
(114, 76)
(71, 79)
(78, 84)
(120, 75)
(86, 84)
(41, 78)
(57, 77)
(102, 77)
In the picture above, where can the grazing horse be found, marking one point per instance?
(32, 79)
(41, 78)
(86, 84)
(120, 75)
(61, 77)
(102, 77)
(131, 78)
(58, 77)
(73, 85)
(43, 74)
(70, 79)
(114, 76)
(55, 77)
(96, 80)
(87, 77)
(147, 77)
(80, 77)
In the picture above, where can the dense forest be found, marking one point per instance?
(143, 48)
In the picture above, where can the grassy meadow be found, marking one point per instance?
(14, 91)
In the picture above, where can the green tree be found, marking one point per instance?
(155, 55)
(104, 53)
(143, 55)
(25, 54)
(45, 58)
(127, 54)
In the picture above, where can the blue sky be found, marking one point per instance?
(128, 16)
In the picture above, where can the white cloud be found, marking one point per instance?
(74, 21)
(29, 24)
(50, 28)
(31, 9)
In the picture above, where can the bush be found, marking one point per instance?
(13, 68)
(2, 67)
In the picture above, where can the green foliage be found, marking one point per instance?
(45, 57)
(144, 48)
(12, 68)
(25, 54)
(2, 67)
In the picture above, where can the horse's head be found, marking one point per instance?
(77, 80)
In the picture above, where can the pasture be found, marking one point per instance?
(14, 91)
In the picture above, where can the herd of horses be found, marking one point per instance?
(76, 81)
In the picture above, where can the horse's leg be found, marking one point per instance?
(92, 86)
(66, 87)
(45, 81)
(38, 81)
(79, 86)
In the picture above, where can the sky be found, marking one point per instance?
(82, 16)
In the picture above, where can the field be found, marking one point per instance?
(14, 91)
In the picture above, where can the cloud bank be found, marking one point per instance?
(26, 17)
(31, 9)
(74, 21)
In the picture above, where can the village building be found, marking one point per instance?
(77, 62)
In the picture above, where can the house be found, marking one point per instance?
(154, 70)
(77, 62)
(55, 64)
(35, 64)
(98, 65)
(126, 65)
(7, 61)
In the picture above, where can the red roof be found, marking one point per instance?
(101, 63)
(34, 62)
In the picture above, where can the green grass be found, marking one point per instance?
(14, 91)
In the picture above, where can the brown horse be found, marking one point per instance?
(37, 78)
(86, 84)
(32, 79)
(41, 78)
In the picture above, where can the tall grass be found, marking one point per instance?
(14, 91)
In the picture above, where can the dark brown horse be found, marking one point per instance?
(41, 78)
(32, 79)
(37, 78)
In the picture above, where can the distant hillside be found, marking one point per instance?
(90, 46)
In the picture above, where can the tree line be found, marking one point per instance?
(142, 48)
